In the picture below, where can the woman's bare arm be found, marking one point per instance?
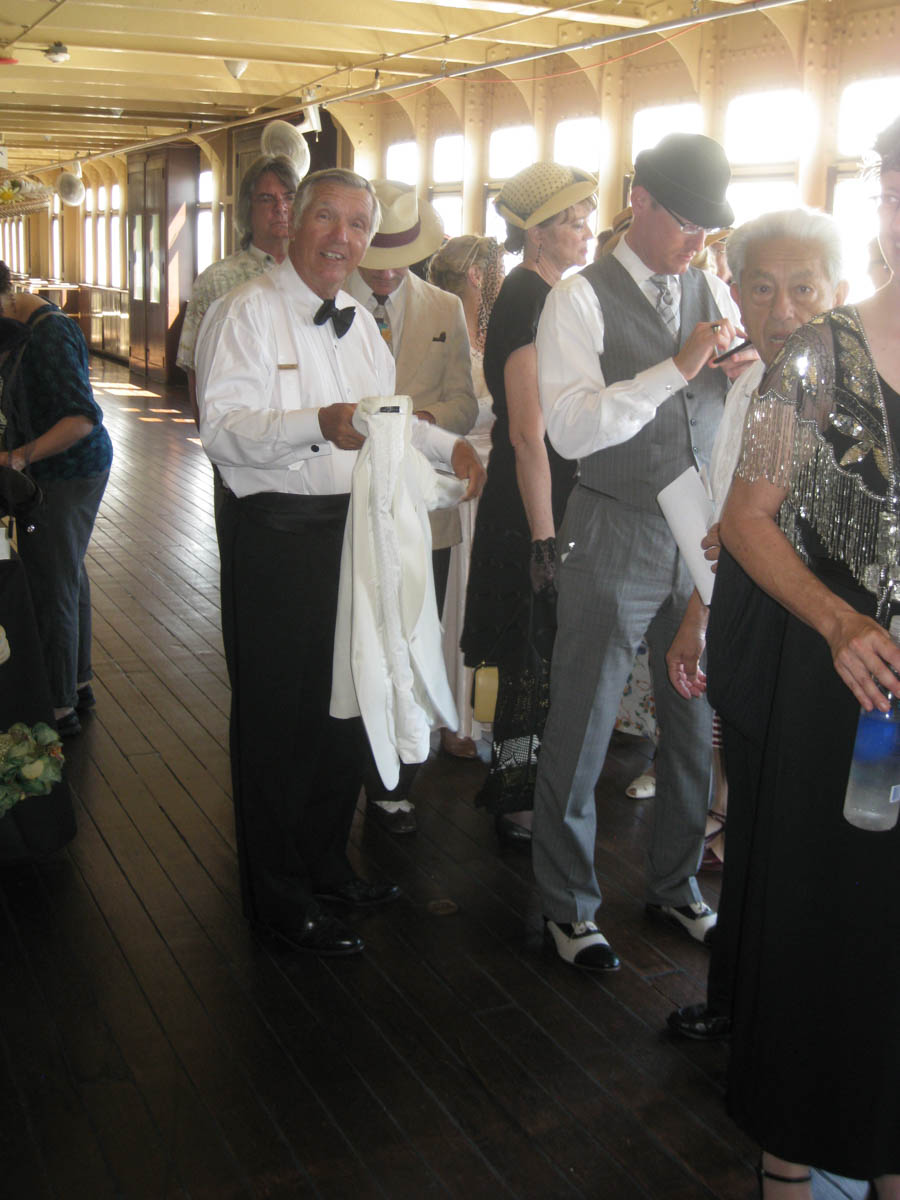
(526, 432)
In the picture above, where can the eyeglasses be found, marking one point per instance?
(686, 227)
(285, 200)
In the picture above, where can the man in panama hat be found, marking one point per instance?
(425, 329)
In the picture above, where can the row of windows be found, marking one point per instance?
(12, 243)
(102, 237)
(756, 132)
(763, 147)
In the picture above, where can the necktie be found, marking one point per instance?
(665, 302)
(342, 317)
(382, 320)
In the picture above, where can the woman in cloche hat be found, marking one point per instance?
(511, 596)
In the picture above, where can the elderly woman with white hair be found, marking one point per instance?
(812, 518)
(510, 603)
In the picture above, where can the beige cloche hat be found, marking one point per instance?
(541, 191)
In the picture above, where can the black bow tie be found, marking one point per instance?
(342, 317)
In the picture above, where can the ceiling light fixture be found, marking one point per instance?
(236, 66)
(57, 53)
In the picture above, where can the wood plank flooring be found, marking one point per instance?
(152, 1048)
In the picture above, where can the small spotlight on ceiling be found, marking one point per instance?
(57, 53)
(236, 66)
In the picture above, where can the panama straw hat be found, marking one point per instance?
(622, 220)
(541, 191)
(410, 228)
(719, 235)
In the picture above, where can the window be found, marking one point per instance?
(88, 264)
(116, 278)
(449, 209)
(510, 150)
(652, 124)
(582, 142)
(137, 256)
(102, 268)
(155, 261)
(402, 162)
(56, 259)
(769, 127)
(204, 220)
(115, 250)
(448, 165)
(449, 159)
(866, 107)
(495, 227)
(751, 197)
(854, 210)
(102, 272)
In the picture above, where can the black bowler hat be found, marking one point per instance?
(689, 174)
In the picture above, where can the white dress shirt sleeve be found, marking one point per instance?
(237, 366)
(581, 412)
(435, 443)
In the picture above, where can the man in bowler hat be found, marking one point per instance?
(627, 388)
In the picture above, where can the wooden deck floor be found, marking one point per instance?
(151, 1048)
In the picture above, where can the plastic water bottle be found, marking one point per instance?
(873, 789)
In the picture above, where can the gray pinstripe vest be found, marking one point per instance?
(635, 337)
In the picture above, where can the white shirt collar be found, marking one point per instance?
(641, 273)
(285, 276)
(635, 266)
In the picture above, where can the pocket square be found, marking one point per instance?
(441, 337)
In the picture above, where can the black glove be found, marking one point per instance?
(542, 567)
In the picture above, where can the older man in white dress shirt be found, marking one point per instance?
(281, 363)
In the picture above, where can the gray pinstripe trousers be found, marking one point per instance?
(621, 577)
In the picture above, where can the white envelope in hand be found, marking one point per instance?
(688, 508)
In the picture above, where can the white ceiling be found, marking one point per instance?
(142, 69)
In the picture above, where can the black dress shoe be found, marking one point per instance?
(511, 834)
(402, 820)
(697, 1022)
(320, 934)
(68, 726)
(86, 699)
(360, 893)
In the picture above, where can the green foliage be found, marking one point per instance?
(31, 761)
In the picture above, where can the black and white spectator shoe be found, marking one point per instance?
(582, 945)
(697, 919)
